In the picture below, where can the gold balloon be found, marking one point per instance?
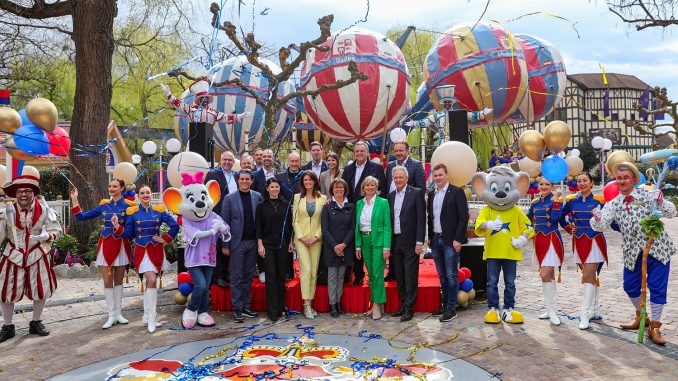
(10, 120)
(557, 136)
(459, 158)
(179, 299)
(462, 298)
(575, 165)
(15, 152)
(467, 192)
(532, 144)
(471, 294)
(533, 168)
(43, 113)
(617, 157)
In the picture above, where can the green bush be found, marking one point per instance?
(53, 183)
(66, 243)
(172, 248)
(90, 251)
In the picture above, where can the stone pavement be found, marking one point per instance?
(532, 351)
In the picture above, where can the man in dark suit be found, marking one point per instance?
(416, 176)
(238, 211)
(407, 207)
(317, 164)
(354, 174)
(291, 176)
(447, 225)
(264, 173)
(228, 184)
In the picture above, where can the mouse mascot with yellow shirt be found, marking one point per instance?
(506, 230)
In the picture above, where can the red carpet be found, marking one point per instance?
(355, 299)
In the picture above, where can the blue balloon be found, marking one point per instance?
(642, 180)
(24, 118)
(185, 288)
(554, 168)
(673, 163)
(466, 285)
(32, 140)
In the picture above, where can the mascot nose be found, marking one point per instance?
(500, 194)
(200, 204)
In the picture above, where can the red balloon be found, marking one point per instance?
(610, 191)
(59, 142)
(461, 276)
(184, 277)
(466, 271)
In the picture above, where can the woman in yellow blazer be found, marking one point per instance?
(373, 239)
(307, 209)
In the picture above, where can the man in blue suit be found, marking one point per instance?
(238, 210)
(317, 164)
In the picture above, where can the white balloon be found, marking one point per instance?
(575, 152)
(398, 135)
(561, 154)
(533, 168)
(574, 165)
(460, 160)
(190, 162)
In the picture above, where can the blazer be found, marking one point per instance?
(305, 225)
(219, 176)
(232, 214)
(453, 216)
(325, 180)
(371, 169)
(259, 181)
(290, 183)
(381, 223)
(338, 226)
(309, 166)
(415, 171)
(413, 210)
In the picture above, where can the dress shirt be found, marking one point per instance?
(397, 207)
(437, 208)
(317, 168)
(403, 164)
(358, 172)
(230, 182)
(268, 174)
(366, 215)
(338, 204)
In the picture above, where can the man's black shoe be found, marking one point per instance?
(398, 313)
(448, 315)
(339, 310)
(221, 282)
(249, 313)
(35, 327)
(438, 312)
(333, 310)
(237, 315)
(7, 332)
(407, 316)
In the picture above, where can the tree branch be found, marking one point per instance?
(39, 11)
(356, 75)
(59, 29)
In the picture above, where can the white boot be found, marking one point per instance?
(151, 297)
(110, 304)
(595, 307)
(118, 305)
(587, 300)
(550, 299)
(144, 320)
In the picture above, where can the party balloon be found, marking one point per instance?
(611, 190)
(59, 142)
(398, 135)
(179, 298)
(189, 297)
(461, 276)
(184, 277)
(486, 66)
(468, 193)
(460, 160)
(658, 156)
(641, 181)
(466, 285)
(365, 109)
(31, 140)
(557, 136)
(649, 172)
(575, 152)
(42, 113)
(15, 152)
(10, 120)
(3, 174)
(617, 157)
(533, 168)
(532, 144)
(466, 271)
(190, 162)
(575, 165)
(673, 163)
(185, 288)
(554, 168)
(471, 295)
(125, 171)
(30, 171)
(462, 298)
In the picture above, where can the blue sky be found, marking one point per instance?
(651, 55)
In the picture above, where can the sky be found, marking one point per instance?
(601, 37)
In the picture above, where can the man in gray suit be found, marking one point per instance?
(238, 210)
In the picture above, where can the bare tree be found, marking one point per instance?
(645, 14)
(658, 130)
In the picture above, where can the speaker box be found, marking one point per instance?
(201, 140)
(458, 126)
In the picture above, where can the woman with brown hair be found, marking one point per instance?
(307, 210)
(328, 176)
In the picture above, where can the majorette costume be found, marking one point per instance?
(149, 256)
(627, 212)
(26, 268)
(112, 249)
(545, 213)
(588, 245)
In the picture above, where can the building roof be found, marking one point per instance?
(614, 80)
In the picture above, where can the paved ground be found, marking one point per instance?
(532, 351)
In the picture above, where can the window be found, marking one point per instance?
(615, 116)
(633, 116)
(561, 113)
(594, 116)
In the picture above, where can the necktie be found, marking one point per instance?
(628, 200)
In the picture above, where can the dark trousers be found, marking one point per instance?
(405, 264)
(290, 264)
(322, 270)
(276, 268)
(261, 264)
(243, 260)
(358, 268)
(223, 261)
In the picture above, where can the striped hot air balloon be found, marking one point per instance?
(485, 64)
(362, 110)
(232, 98)
(545, 78)
(307, 132)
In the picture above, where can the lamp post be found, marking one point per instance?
(445, 94)
(603, 145)
(173, 147)
(149, 148)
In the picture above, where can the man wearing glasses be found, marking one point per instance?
(26, 267)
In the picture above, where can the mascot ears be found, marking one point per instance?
(172, 199)
(478, 181)
(214, 191)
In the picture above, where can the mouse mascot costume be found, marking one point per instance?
(195, 201)
(506, 229)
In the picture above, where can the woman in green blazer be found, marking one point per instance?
(373, 239)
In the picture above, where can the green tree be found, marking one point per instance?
(588, 154)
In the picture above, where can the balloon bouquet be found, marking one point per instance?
(466, 292)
